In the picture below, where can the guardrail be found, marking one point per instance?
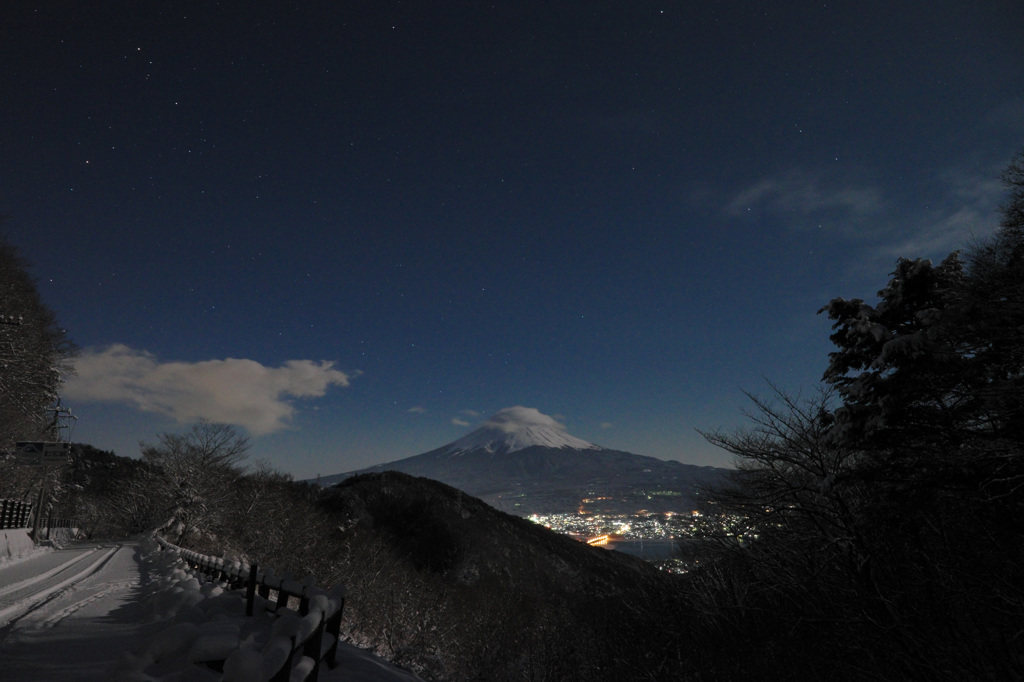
(14, 514)
(321, 610)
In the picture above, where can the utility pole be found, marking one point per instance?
(54, 452)
(54, 444)
(62, 423)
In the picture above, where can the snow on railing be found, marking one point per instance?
(300, 639)
(14, 514)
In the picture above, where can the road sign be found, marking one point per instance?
(35, 453)
(29, 453)
(56, 453)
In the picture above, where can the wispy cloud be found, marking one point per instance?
(234, 391)
(968, 209)
(417, 410)
(607, 425)
(1009, 115)
(924, 222)
(459, 422)
(805, 194)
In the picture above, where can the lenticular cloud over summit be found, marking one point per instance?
(517, 428)
(513, 419)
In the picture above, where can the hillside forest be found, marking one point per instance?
(875, 519)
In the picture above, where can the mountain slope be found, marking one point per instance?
(454, 589)
(523, 461)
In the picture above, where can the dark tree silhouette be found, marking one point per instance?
(877, 527)
(34, 352)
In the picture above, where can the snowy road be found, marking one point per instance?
(107, 612)
(69, 614)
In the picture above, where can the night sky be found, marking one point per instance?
(357, 229)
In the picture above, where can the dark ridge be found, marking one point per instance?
(441, 529)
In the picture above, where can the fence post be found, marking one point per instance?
(333, 627)
(250, 589)
(285, 673)
(313, 648)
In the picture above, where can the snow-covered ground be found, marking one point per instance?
(127, 611)
(16, 544)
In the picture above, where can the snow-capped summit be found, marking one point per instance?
(518, 428)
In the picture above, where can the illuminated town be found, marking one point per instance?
(639, 526)
(657, 532)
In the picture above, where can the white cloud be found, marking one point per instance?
(234, 391)
(469, 415)
(417, 410)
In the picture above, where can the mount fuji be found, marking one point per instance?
(525, 462)
(518, 428)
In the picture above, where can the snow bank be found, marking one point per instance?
(205, 623)
(16, 544)
(59, 537)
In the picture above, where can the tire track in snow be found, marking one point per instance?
(23, 606)
(71, 609)
(27, 582)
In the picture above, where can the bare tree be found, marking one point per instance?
(794, 507)
(193, 475)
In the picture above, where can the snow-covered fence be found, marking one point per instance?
(303, 637)
(14, 514)
(51, 524)
(54, 522)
